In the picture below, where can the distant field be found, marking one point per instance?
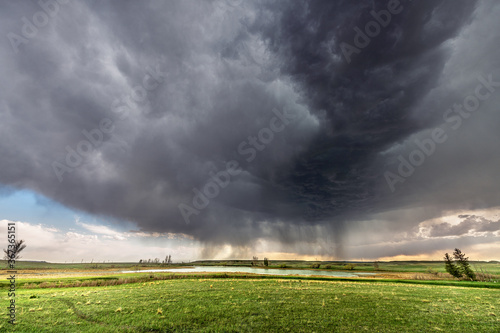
(492, 267)
(392, 266)
(259, 305)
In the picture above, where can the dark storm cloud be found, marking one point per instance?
(365, 105)
(221, 68)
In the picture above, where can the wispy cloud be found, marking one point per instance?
(103, 230)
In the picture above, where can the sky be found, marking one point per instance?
(228, 129)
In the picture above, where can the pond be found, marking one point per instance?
(224, 269)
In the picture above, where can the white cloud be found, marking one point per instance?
(103, 230)
(102, 244)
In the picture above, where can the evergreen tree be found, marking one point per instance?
(464, 266)
(451, 267)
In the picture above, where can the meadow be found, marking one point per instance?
(93, 300)
(231, 304)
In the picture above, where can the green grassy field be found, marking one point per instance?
(89, 298)
(256, 305)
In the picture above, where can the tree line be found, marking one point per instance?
(166, 261)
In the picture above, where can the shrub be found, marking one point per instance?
(328, 266)
(47, 285)
(282, 266)
(30, 285)
(349, 266)
(482, 275)
(315, 266)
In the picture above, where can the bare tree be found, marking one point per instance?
(255, 261)
(13, 251)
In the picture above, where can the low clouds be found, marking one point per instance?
(99, 243)
(470, 223)
(227, 65)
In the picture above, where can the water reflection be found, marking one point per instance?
(214, 269)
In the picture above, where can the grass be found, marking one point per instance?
(120, 279)
(257, 304)
(91, 299)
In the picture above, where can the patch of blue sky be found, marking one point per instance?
(31, 207)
